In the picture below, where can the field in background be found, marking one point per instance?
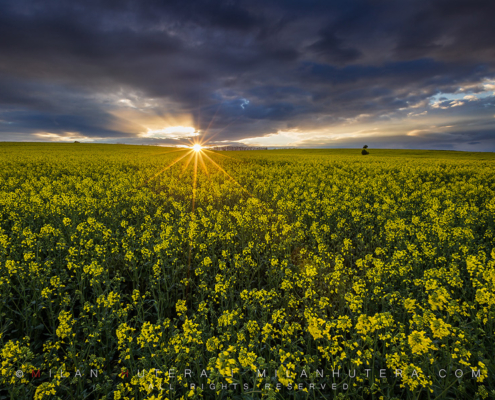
(130, 259)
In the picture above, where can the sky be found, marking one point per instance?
(311, 73)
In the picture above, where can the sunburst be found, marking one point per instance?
(196, 151)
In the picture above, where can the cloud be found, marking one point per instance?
(332, 48)
(245, 70)
(172, 132)
(412, 114)
(65, 137)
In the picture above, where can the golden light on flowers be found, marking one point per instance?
(332, 262)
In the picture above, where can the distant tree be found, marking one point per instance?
(364, 152)
(75, 141)
(365, 146)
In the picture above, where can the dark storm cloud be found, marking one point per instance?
(243, 68)
(333, 50)
(450, 30)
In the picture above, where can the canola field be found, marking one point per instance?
(139, 272)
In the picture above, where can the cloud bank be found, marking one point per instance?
(307, 73)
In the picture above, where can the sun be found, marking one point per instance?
(197, 148)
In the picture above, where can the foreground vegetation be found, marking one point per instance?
(328, 273)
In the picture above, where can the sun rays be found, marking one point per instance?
(192, 160)
(195, 153)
